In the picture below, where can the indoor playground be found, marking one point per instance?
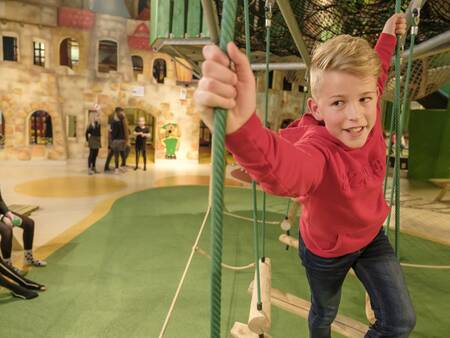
(143, 223)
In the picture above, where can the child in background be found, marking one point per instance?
(93, 138)
(141, 132)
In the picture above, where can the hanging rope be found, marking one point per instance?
(395, 190)
(218, 175)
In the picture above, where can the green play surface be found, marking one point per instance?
(117, 279)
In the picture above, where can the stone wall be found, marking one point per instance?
(65, 92)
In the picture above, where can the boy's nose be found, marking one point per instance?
(353, 112)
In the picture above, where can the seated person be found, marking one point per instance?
(8, 219)
(25, 288)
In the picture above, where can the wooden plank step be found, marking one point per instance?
(300, 307)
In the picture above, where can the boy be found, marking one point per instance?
(333, 161)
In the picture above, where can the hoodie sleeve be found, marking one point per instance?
(385, 48)
(280, 167)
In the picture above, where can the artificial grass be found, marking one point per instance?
(117, 279)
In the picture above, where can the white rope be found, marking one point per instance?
(227, 266)
(180, 284)
(425, 266)
(248, 218)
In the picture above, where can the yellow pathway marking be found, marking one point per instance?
(103, 207)
(71, 186)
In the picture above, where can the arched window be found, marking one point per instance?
(107, 56)
(69, 52)
(138, 64)
(285, 123)
(41, 128)
(2, 130)
(159, 70)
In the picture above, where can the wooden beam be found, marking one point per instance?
(300, 307)
(291, 22)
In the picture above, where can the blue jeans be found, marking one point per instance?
(377, 267)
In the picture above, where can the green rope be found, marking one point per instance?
(268, 10)
(396, 186)
(255, 207)
(218, 174)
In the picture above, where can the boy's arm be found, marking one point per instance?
(279, 166)
(385, 49)
(395, 25)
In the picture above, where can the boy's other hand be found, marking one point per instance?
(231, 88)
(395, 25)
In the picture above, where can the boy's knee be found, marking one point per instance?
(397, 326)
(322, 318)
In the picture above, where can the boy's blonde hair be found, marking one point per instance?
(343, 53)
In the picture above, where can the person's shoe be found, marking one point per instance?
(21, 292)
(116, 171)
(145, 168)
(35, 262)
(135, 168)
(15, 269)
(90, 172)
(123, 169)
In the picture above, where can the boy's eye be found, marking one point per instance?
(365, 99)
(337, 103)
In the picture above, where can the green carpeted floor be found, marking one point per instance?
(117, 279)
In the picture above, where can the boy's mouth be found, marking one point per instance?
(355, 131)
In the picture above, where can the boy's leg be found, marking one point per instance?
(325, 278)
(379, 270)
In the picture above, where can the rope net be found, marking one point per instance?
(320, 20)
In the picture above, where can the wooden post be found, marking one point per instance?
(260, 321)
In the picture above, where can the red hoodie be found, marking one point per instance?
(340, 188)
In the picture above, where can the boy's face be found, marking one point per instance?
(347, 105)
(141, 121)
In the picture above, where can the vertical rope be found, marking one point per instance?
(254, 198)
(218, 174)
(268, 11)
(396, 184)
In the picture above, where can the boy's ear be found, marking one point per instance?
(314, 109)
